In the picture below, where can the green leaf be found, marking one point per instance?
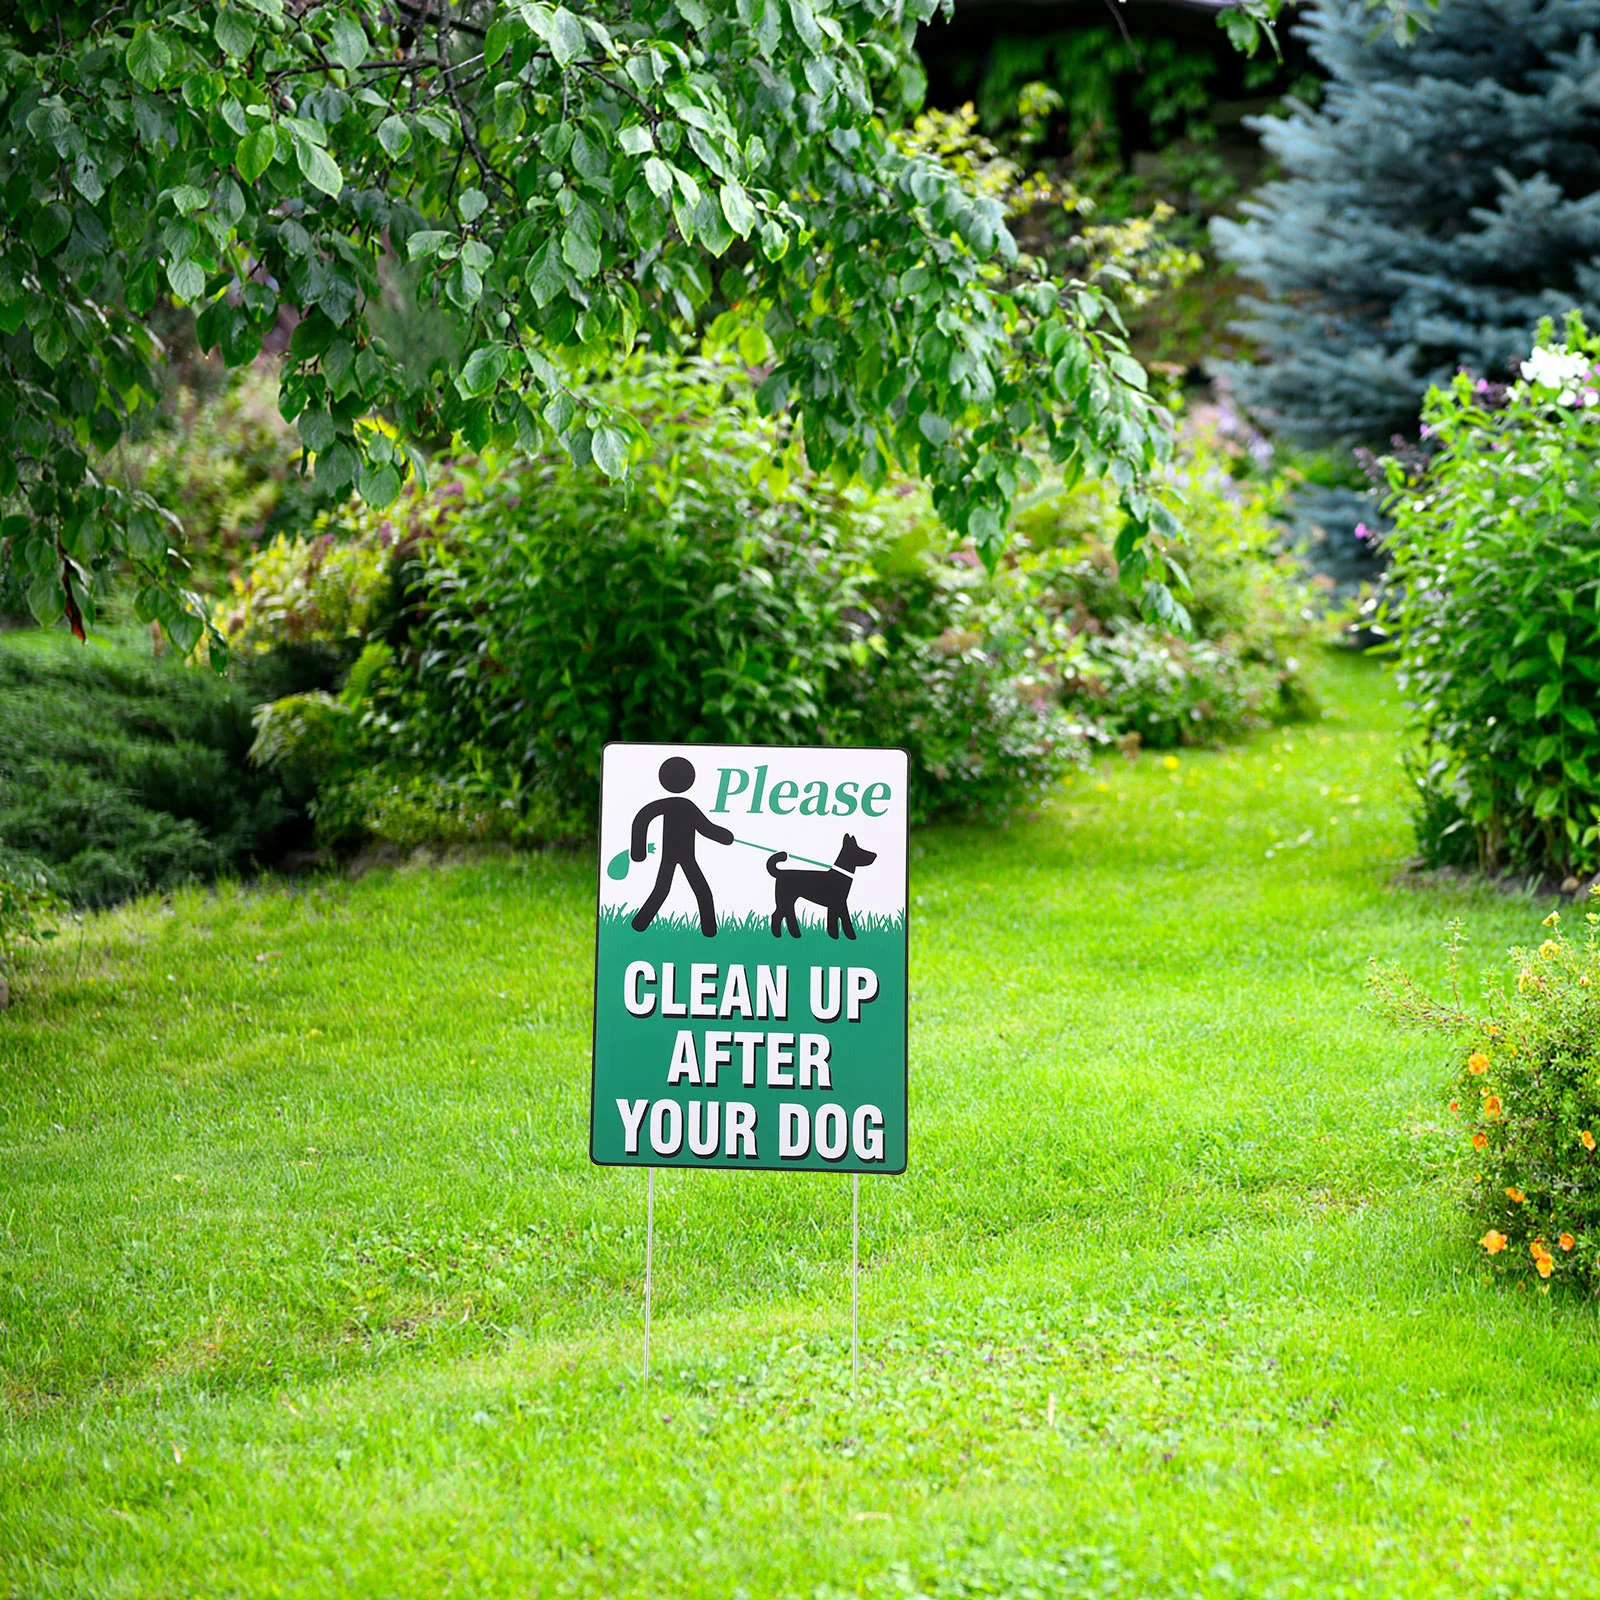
(51, 225)
(1242, 32)
(545, 277)
(319, 168)
(183, 628)
(498, 39)
(350, 46)
(50, 342)
(86, 179)
(1579, 717)
(659, 176)
(187, 278)
(580, 242)
(316, 430)
(45, 599)
(561, 32)
(464, 286)
(187, 197)
(635, 139)
(394, 134)
(609, 446)
(934, 428)
(472, 204)
(235, 34)
(1557, 642)
(1549, 694)
(147, 59)
(379, 485)
(255, 153)
(737, 209)
(484, 369)
(426, 242)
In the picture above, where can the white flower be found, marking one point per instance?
(1555, 369)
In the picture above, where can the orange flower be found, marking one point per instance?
(1478, 1062)
(1494, 1241)
(1587, 1139)
(1542, 1259)
(1491, 1105)
(1517, 1195)
(1479, 1140)
(1455, 1105)
(1566, 1241)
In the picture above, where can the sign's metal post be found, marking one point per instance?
(649, 1254)
(855, 1282)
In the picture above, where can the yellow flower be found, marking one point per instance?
(1491, 1105)
(1517, 1195)
(1170, 763)
(1479, 1140)
(1566, 1241)
(1549, 948)
(1493, 1241)
(1586, 1139)
(1478, 1062)
(1551, 920)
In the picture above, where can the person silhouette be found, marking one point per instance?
(681, 820)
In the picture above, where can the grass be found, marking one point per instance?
(307, 1287)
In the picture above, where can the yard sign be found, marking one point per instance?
(750, 959)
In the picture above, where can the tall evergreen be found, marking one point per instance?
(1443, 197)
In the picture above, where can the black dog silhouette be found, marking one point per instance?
(829, 889)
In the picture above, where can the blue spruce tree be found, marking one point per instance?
(1443, 197)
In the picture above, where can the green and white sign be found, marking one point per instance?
(750, 959)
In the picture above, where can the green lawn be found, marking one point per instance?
(308, 1289)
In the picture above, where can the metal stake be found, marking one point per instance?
(855, 1282)
(649, 1254)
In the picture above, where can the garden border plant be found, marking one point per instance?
(1493, 597)
(1525, 1097)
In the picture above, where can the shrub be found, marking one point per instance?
(723, 594)
(1494, 598)
(1251, 608)
(1168, 690)
(1525, 1099)
(26, 913)
(225, 464)
(121, 773)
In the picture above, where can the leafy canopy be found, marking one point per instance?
(567, 183)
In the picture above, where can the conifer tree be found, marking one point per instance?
(1443, 198)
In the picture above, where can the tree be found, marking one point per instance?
(1438, 204)
(567, 182)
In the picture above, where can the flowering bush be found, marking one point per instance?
(1525, 1101)
(1494, 596)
